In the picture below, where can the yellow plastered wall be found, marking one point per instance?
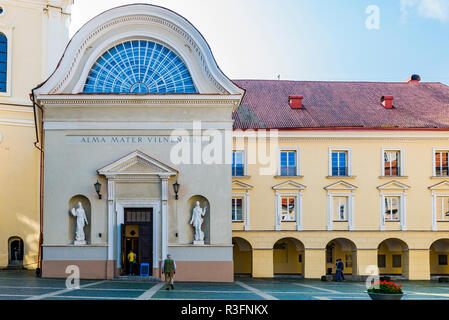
(366, 176)
(366, 154)
(420, 268)
(262, 263)
(19, 204)
(314, 264)
(24, 25)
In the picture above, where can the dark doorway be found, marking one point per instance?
(137, 235)
(15, 252)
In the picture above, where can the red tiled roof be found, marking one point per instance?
(341, 104)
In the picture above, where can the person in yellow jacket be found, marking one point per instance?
(132, 257)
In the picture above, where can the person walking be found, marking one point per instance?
(339, 270)
(342, 268)
(131, 260)
(169, 270)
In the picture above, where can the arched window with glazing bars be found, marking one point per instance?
(3, 62)
(139, 67)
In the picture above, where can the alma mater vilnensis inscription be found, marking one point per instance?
(134, 139)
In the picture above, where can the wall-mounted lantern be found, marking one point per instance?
(97, 186)
(176, 189)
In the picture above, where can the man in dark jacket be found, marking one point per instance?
(339, 270)
(169, 269)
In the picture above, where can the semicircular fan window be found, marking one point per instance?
(139, 67)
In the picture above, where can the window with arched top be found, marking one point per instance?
(3, 62)
(139, 67)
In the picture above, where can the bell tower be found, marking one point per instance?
(33, 35)
(55, 31)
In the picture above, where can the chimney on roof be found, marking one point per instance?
(415, 78)
(295, 102)
(387, 102)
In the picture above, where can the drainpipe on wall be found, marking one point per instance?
(40, 146)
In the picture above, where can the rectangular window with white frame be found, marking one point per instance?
(288, 165)
(340, 162)
(288, 209)
(237, 209)
(340, 208)
(392, 163)
(238, 163)
(392, 208)
(441, 163)
(442, 208)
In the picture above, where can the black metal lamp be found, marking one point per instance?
(176, 189)
(97, 186)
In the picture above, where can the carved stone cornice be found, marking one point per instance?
(107, 100)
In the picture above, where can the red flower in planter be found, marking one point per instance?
(385, 287)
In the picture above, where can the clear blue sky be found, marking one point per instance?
(313, 39)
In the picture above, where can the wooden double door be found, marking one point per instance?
(137, 235)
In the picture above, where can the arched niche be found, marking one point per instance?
(15, 251)
(206, 219)
(73, 203)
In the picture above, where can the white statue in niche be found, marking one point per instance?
(197, 222)
(81, 220)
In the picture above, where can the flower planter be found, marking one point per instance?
(385, 296)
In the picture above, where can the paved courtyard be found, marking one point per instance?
(23, 285)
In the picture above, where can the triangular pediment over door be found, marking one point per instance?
(137, 163)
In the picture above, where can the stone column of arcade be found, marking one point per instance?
(262, 263)
(366, 261)
(417, 265)
(314, 263)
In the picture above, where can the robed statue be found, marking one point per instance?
(81, 221)
(197, 222)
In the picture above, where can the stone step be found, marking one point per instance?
(14, 267)
(359, 278)
(136, 279)
(441, 279)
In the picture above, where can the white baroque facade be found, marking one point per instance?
(96, 128)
